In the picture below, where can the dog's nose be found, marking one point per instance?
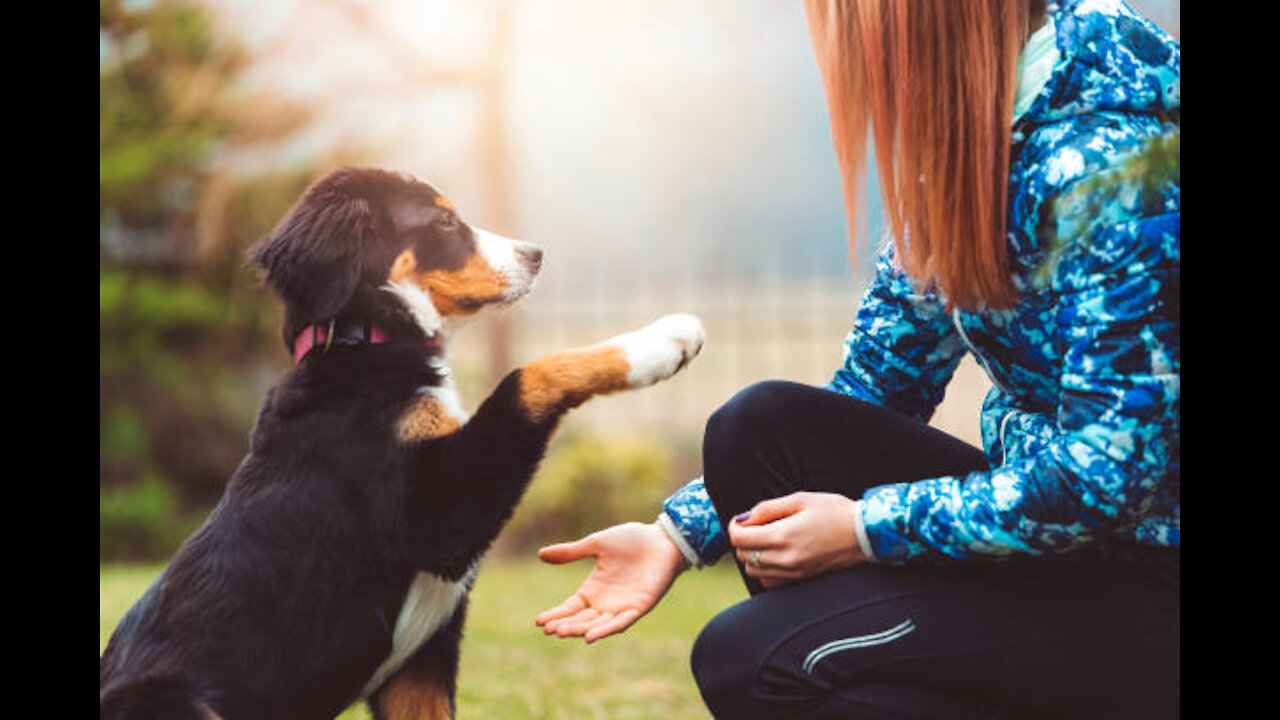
(532, 255)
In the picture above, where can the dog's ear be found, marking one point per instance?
(313, 257)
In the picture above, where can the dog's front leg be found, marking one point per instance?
(490, 460)
(468, 477)
(549, 387)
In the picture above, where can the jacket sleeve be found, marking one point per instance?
(901, 353)
(1117, 419)
(902, 349)
(691, 519)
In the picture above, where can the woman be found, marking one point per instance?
(1028, 160)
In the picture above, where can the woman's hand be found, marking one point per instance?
(797, 536)
(635, 565)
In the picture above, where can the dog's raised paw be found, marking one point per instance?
(660, 349)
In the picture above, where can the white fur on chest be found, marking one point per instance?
(446, 393)
(429, 603)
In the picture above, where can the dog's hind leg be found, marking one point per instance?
(424, 687)
(154, 696)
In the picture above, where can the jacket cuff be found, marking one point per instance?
(884, 524)
(693, 517)
(691, 557)
(860, 531)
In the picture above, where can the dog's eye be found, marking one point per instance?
(447, 220)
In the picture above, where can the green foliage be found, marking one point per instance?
(139, 520)
(161, 80)
(142, 322)
(188, 340)
(129, 301)
(588, 482)
(159, 71)
(167, 442)
(123, 437)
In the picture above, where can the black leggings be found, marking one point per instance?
(1088, 634)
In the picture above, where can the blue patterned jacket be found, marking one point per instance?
(1081, 427)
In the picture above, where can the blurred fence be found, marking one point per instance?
(771, 328)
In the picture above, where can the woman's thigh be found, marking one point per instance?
(776, 437)
(1071, 636)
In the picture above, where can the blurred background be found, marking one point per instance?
(669, 156)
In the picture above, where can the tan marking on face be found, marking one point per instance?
(443, 202)
(409, 695)
(565, 380)
(403, 267)
(425, 419)
(463, 291)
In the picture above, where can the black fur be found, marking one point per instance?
(283, 603)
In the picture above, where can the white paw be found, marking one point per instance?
(658, 350)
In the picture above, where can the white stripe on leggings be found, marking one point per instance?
(879, 638)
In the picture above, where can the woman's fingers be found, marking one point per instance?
(565, 553)
(635, 564)
(769, 564)
(757, 537)
(772, 565)
(609, 625)
(573, 604)
(763, 527)
(574, 625)
(766, 511)
(568, 552)
(797, 536)
(591, 624)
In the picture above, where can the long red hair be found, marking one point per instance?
(934, 82)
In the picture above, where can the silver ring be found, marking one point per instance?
(755, 558)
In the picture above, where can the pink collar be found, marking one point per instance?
(322, 334)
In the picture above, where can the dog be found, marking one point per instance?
(335, 568)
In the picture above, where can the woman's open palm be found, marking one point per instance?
(635, 565)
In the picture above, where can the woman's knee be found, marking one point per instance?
(740, 422)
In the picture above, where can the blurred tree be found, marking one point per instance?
(159, 77)
(187, 338)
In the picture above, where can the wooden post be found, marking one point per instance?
(496, 177)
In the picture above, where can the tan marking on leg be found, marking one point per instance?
(403, 267)
(426, 418)
(463, 291)
(407, 695)
(565, 380)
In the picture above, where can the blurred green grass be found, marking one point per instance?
(510, 669)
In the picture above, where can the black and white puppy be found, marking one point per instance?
(336, 566)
